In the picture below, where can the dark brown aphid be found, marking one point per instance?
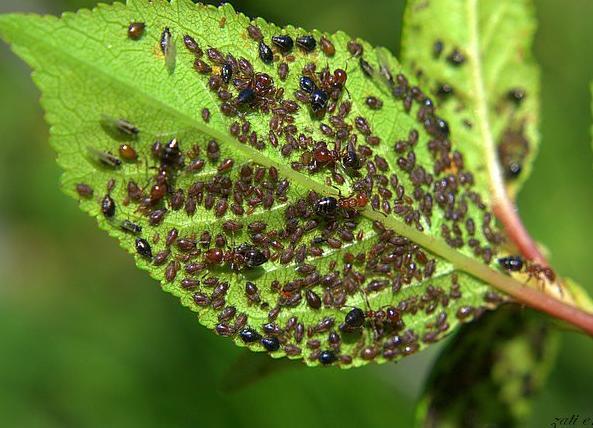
(84, 190)
(326, 46)
(283, 71)
(254, 32)
(516, 95)
(512, 151)
(127, 152)
(205, 115)
(355, 48)
(136, 30)
(108, 206)
(143, 248)
(192, 45)
(202, 67)
(456, 58)
(373, 103)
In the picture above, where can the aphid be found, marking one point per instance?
(283, 71)
(437, 49)
(366, 68)
(168, 49)
(373, 103)
(171, 153)
(456, 58)
(284, 42)
(512, 151)
(215, 56)
(136, 30)
(354, 318)
(327, 357)
(271, 344)
(253, 256)
(254, 32)
(265, 53)
(226, 72)
(354, 48)
(119, 127)
(350, 160)
(516, 95)
(108, 206)
(307, 84)
(128, 226)
(84, 190)
(206, 115)
(127, 152)
(306, 43)
(444, 90)
(511, 263)
(202, 67)
(326, 46)
(143, 248)
(248, 335)
(246, 96)
(326, 206)
(319, 100)
(192, 45)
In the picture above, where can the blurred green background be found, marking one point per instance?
(89, 341)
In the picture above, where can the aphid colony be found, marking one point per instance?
(513, 145)
(205, 181)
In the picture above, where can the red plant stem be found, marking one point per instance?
(506, 213)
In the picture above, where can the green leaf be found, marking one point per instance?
(488, 373)
(416, 253)
(486, 61)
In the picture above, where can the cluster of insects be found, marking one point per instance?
(231, 247)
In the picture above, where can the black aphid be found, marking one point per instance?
(270, 343)
(143, 248)
(306, 43)
(307, 84)
(246, 96)
(130, 227)
(108, 206)
(318, 100)
(265, 53)
(354, 318)
(327, 357)
(512, 263)
(249, 335)
(326, 206)
(284, 43)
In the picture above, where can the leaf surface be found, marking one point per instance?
(290, 272)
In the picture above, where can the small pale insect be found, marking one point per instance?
(168, 48)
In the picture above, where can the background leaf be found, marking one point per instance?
(492, 370)
(479, 64)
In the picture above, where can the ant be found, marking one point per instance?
(385, 318)
(328, 206)
(242, 257)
